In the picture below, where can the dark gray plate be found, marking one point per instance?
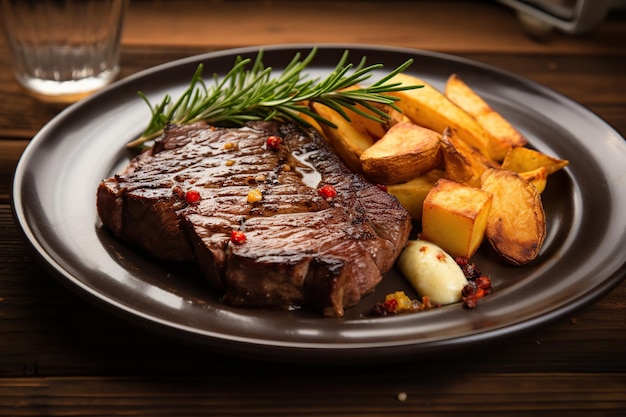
(583, 257)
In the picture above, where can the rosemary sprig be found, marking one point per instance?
(254, 94)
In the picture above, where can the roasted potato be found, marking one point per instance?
(395, 116)
(371, 127)
(498, 127)
(537, 177)
(460, 164)
(526, 159)
(347, 141)
(516, 225)
(478, 161)
(430, 108)
(310, 120)
(411, 194)
(455, 217)
(406, 151)
(367, 126)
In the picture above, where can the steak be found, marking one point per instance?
(301, 248)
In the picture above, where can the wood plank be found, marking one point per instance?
(432, 25)
(263, 395)
(10, 151)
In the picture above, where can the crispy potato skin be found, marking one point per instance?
(537, 177)
(406, 151)
(461, 163)
(516, 226)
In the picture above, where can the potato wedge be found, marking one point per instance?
(367, 126)
(526, 159)
(477, 161)
(395, 116)
(411, 194)
(456, 165)
(430, 108)
(314, 123)
(516, 225)
(371, 127)
(406, 151)
(347, 141)
(537, 177)
(455, 217)
(498, 127)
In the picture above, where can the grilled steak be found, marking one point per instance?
(301, 248)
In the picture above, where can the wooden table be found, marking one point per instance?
(60, 355)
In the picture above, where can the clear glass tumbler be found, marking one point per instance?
(64, 49)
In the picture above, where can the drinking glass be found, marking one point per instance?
(63, 50)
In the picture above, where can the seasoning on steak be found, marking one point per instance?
(300, 248)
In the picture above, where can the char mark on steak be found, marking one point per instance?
(300, 250)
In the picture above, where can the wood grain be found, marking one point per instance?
(447, 26)
(267, 395)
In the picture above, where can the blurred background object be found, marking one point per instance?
(63, 50)
(540, 17)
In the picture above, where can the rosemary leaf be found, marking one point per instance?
(251, 93)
